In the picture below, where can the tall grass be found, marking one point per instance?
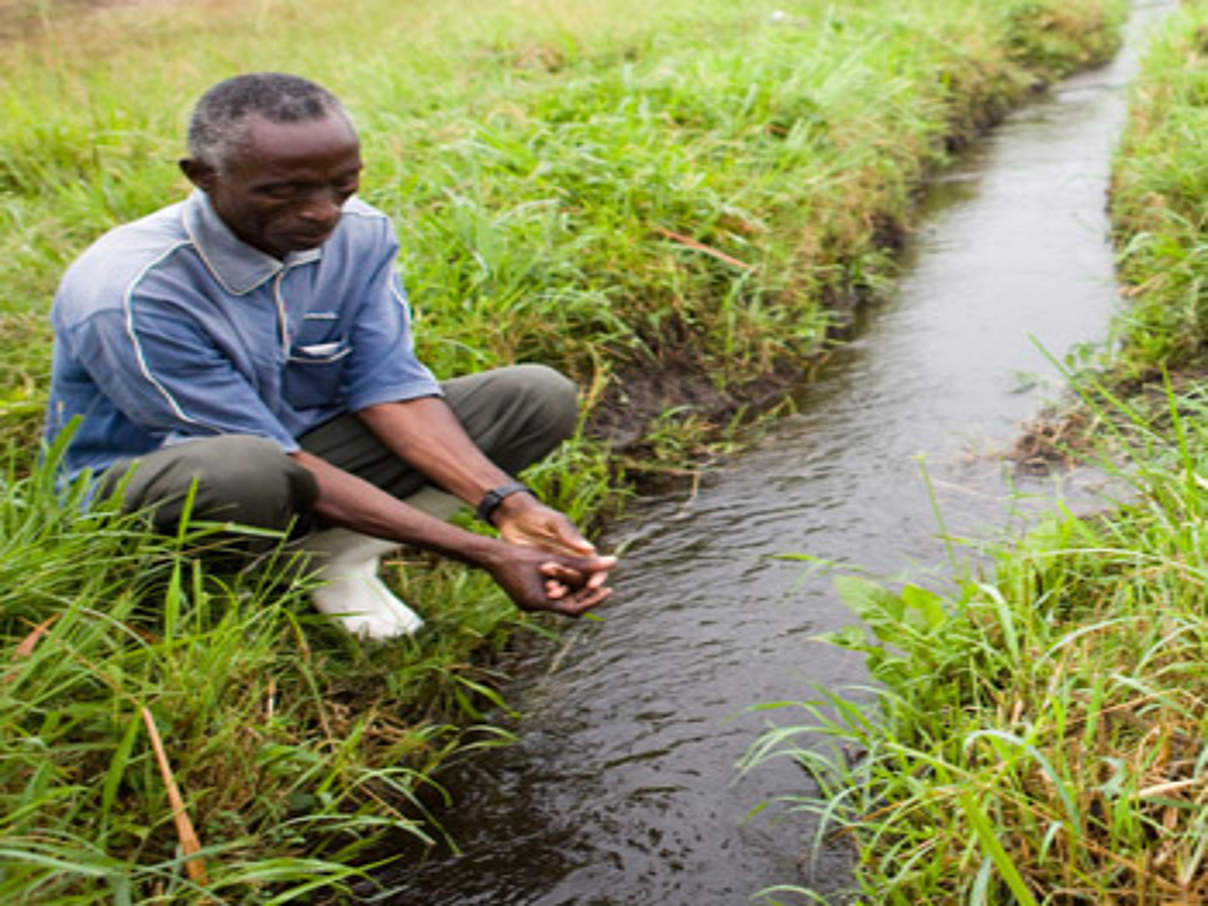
(1156, 204)
(613, 188)
(288, 739)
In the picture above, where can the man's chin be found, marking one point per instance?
(301, 242)
(309, 245)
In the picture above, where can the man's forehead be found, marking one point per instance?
(300, 142)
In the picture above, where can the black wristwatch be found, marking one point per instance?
(492, 498)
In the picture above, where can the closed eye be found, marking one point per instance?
(281, 191)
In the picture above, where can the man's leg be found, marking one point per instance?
(250, 481)
(515, 415)
(239, 478)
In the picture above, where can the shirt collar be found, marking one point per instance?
(239, 267)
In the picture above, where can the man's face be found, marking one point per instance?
(282, 188)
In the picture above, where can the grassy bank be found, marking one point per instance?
(669, 204)
(1041, 734)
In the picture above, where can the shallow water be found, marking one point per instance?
(622, 788)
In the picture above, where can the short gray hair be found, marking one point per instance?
(218, 122)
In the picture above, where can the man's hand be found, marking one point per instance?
(539, 580)
(545, 564)
(535, 579)
(523, 520)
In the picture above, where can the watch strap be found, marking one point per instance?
(492, 498)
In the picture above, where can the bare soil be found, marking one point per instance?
(639, 395)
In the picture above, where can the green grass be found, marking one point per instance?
(1039, 734)
(294, 745)
(611, 188)
(1157, 205)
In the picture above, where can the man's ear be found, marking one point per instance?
(199, 173)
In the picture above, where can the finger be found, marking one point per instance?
(581, 602)
(585, 565)
(567, 535)
(599, 575)
(584, 599)
(576, 542)
(551, 569)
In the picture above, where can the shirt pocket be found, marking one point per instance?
(312, 373)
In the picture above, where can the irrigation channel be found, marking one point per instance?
(622, 788)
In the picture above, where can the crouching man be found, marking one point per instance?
(254, 341)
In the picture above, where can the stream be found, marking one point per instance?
(622, 788)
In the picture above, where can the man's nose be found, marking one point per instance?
(324, 209)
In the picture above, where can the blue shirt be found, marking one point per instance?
(171, 328)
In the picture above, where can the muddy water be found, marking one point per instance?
(622, 788)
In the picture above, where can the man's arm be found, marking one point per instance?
(534, 579)
(423, 431)
(426, 434)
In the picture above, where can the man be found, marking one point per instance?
(253, 344)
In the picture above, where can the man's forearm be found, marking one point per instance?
(427, 436)
(534, 579)
(350, 502)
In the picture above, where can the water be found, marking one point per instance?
(622, 789)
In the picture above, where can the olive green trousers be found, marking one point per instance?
(516, 415)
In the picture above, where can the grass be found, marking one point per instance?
(290, 740)
(1156, 207)
(610, 188)
(602, 196)
(1037, 734)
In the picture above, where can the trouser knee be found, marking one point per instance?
(516, 414)
(551, 399)
(231, 478)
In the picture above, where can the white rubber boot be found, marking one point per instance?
(352, 594)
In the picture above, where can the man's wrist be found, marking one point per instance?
(493, 498)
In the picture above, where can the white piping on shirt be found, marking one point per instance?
(128, 306)
(402, 301)
(283, 328)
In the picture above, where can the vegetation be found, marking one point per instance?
(1157, 206)
(624, 192)
(1039, 737)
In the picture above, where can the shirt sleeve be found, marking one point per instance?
(169, 378)
(382, 367)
